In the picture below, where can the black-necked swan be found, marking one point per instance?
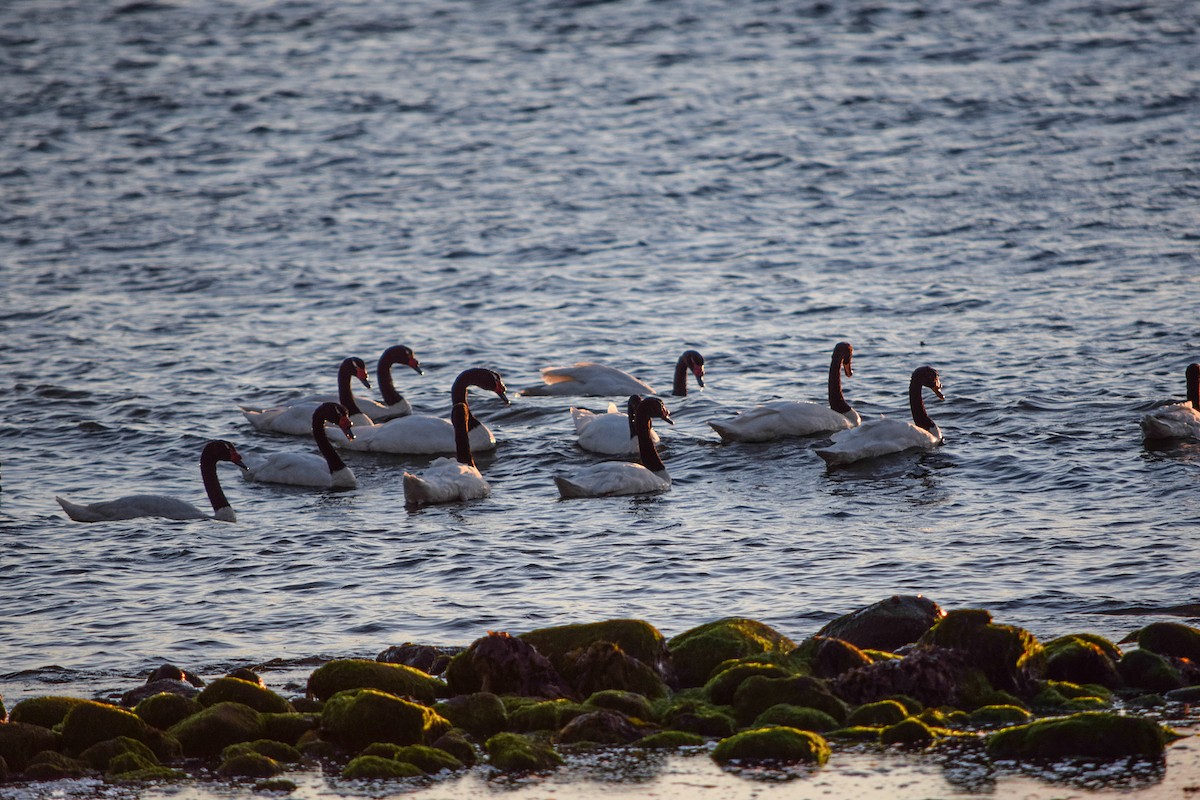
(157, 505)
(610, 478)
(394, 404)
(296, 418)
(880, 437)
(613, 433)
(324, 471)
(424, 434)
(449, 480)
(783, 418)
(1177, 420)
(597, 380)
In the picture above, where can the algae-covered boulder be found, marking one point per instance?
(99, 755)
(670, 740)
(1188, 694)
(44, 711)
(376, 768)
(429, 760)
(164, 709)
(1083, 658)
(699, 718)
(129, 762)
(480, 714)
(237, 690)
(249, 764)
(544, 716)
(1010, 657)
(1090, 735)
(911, 731)
(278, 751)
(630, 704)
(855, 733)
(358, 717)
(504, 664)
(879, 714)
(512, 752)
(887, 625)
(798, 717)
(722, 687)
(455, 742)
(288, 728)
(216, 727)
(778, 745)
(758, 693)
(49, 765)
(635, 638)
(697, 652)
(604, 665)
(352, 673)
(21, 741)
(1150, 671)
(1171, 639)
(829, 657)
(1059, 696)
(600, 727)
(993, 716)
(90, 722)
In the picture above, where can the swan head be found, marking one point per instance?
(843, 353)
(223, 451)
(695, 362)
(400, 354)
(928, 377)
(335, 413)
(356, 367)
(653, 407)
(497, 386)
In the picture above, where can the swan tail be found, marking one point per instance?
(568, 490)
(417, 491)
(727, 433)
(833, 457)
(77, 512)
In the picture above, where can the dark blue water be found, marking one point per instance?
(206, 204)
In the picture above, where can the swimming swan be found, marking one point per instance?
(625, 477)
(782, 418)
(296, 419)
(597, 380)
(449, 480)
(880, 437)
(1177, 420)
(157, 505)
(394, 404)
(324, 471)
(612, 433)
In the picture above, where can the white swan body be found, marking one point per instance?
(421, 434)
(324, 471)
(394, 404)
(156, 505)
(610, 433)
(296, 418)
(783, 418)
(597, 380)
(1177, 420)
(884, 436)
(448, 480)
(611, 478)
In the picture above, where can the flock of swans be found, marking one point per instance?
(346, 421)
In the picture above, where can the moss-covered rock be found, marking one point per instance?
(429, 760)
(798, 717)
(829, 657)
(352, 673)
(911, 731)
(358, 717)
(288, 728)
(504, 664)
(995, 716)
(722, 687)
(887, 625)
(758, 693)
(165, 709)
(699, 718)
(670, 740)
(1171, 639)
(1063, 696)
(21, 741)
(1188, 694)
(932, 676)
(216, 727)
(1083, 658)
(90, 722)
(276, 786)
(99, 755)
(148, 775)
(44, 711)
(377, 768)
(604, 665)
(772, 745)
(512, 752)
(548, 715)
(1150, 671)
(248, 764)
(601, 726)
(278, 751)
(237, 690)
(630, 704)
(634, 637)
(127, 762)
(879, 714)
(455, 742)
(1091, 735)
(49, 765)
(480, 714)
(855, 733)
(696, 652)
(1010, 657)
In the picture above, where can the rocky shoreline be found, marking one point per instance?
(900, 673)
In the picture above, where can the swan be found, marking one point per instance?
(296, 419)
(880, 437)
(782, 418)
(1177, 420)
(449, 480)
(324, 471)
(612, 433)
(625, 477)
(597, 380)
(157, 505)
(394, 404)
(421, 433)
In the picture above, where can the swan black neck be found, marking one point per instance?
(383, 371)
(690, 361)
(646, 449)
(484, 379)
(631, 411)
(462, 435)
(327, 412)
(916, 402)
(350, 368)
(841, 360)
(212, 453)
(1193, 385)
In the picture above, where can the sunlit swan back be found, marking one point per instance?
(597, 380)
(612, 433)
(610, 478)
(296, 418)
(449, 480)
(324, 471)
(1177, 420)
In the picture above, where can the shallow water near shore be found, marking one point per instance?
(210, 204)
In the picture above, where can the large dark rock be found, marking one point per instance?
(1010, 657)
(886, 625)
(635, 638)
(601, 727)
(1083, 658)
(934, 676)
(503, 664)
(356, 673)
(21, 741)
(1171, 639)
(604, 665)
(166, 678)
(828, 657)
(425, 657)
(779, 745)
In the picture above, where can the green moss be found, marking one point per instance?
(855, 733)
(670, 740)
(248, 764)
(480, 714)
(880, 655)
(236, 690)
(604, 665)
(374, 768)
(1170, 639)
(21, 741)
(775, 745)
(1091, 735)
(397, 679)
(637, 638)
(696, 652)
(429, 760)
(1005, 654)
(358, 717)
(49, 765)
(877, 715)
(722, 687)
(1060, 696)
(288, 728)
(1146, 670)
(165, 709)
(994, 716)
(285, 754)
(455, 742)
(548, 715)
(99, 755)
(758, 693)
(216, 727)
(910, 731)
(277, 785)
(698, 717)
(511, 752)
(630, 704)
(123, 763)
(829, 657)
(798, 717)
(90, 722)
(44, 711)
(1083, 658)
(149, 775)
